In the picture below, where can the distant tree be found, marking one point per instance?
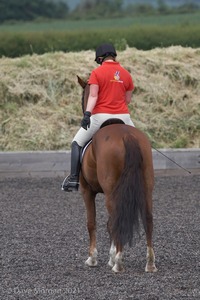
(187, 8)
(27, 10)
(162, 7)
(140, 9)
(96, 8)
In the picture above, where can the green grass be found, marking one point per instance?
(181, 19)
(144, 32)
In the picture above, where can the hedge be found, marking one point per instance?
(140, 37)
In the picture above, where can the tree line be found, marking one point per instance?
(26, 10)
(91, 9)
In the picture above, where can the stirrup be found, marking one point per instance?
(69, 185)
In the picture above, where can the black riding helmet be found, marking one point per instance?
(104, 51)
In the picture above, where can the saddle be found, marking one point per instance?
(112, 121)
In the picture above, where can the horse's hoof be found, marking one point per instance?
(117, 269)
(111, 263)
(91, 262)
(151, 269)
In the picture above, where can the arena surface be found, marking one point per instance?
(44, 243)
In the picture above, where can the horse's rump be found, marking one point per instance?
(104, 158)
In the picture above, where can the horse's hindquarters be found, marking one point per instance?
(119, 164)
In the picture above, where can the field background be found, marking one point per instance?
(63, 25)
(144, 33)
(40, 98)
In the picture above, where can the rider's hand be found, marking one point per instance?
(85, 123)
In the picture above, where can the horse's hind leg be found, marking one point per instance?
(112, 255)
(89, 199)
(150, 265)
(113, 249)
(115, 260)
(118, 265)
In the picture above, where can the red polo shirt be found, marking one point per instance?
(113, 81)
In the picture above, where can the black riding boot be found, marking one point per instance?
(71, 182)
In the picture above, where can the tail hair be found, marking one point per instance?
(129, 196)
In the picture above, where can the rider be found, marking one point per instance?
(110, 93)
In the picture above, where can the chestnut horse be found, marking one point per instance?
(118, 163)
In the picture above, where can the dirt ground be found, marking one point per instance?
(44, 244)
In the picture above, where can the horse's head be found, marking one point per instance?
(86, 90)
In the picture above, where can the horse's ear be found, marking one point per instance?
(81, 82)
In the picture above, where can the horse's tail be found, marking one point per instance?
(129, 196)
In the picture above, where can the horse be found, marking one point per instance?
(118, 163)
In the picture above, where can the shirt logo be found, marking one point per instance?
(117, 75)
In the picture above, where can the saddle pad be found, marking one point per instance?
(84, 149)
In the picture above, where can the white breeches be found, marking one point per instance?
(83, 136)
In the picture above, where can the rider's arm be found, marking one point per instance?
(93, 96)
(128, 96)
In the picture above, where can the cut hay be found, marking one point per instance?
(40, 98)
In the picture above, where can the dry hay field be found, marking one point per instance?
(40, 98)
